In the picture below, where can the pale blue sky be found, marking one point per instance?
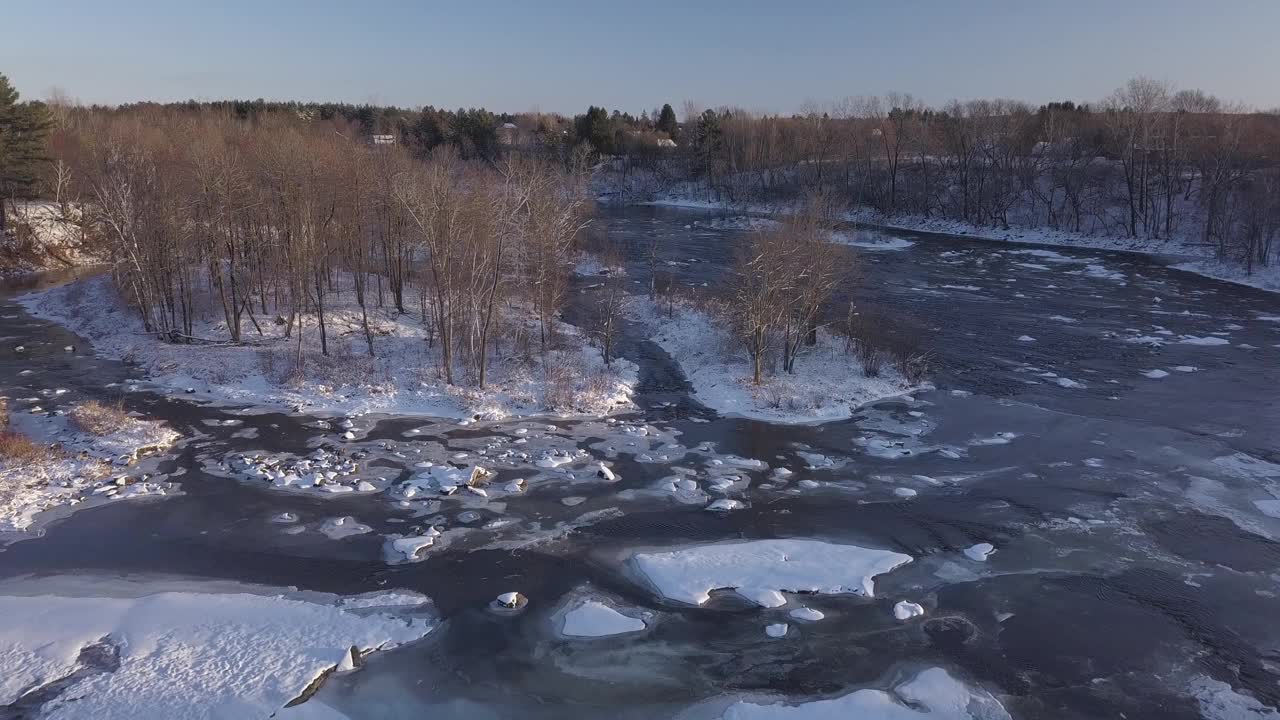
(563, 54)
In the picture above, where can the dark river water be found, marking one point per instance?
(1131, 557)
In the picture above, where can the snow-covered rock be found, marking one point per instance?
(905, 610)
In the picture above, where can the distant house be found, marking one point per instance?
(382, 139)
(507, 133)
(666, 143)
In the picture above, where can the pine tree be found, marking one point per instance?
(667, 121)
(595, 128)
(708, 137)
(23, 127)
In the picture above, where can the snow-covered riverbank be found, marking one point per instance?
(403, 377)
(67, 465)
(828, 384)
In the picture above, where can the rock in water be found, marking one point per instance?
(511, 600)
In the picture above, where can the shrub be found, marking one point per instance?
(869, 357)
(16, 447)
(97, 418)
(559, 381)
(914, 366)
(4, 413)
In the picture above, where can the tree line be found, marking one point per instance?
(1147, 162)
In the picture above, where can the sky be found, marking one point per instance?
(561, 55)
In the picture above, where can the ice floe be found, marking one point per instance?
(776, 630)
(761, 570)
(979, 552)
(933, 694)
(184, 654)
(592, 618)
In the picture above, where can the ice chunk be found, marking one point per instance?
(408, 549)
(808, 614)
(905, 610)
(593, 618)
(1206, 341)
(776, 630)
(979, 552)
(761, 570)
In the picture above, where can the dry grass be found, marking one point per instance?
(16, 447)
(98, 418)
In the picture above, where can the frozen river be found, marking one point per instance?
(1109, 427)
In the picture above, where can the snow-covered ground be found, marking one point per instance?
(828, 383)
(402, 379)
(126, 653)
(761, 570)
(82, 468)
(1265, 278)
(589, 265)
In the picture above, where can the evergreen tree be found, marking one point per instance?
(23, 127)
(428, 130)
(595, 128)
(667, 121)
(475, 133)
(708, 138)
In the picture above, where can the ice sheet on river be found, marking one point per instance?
(932, 694)
(184, 654)
(761, 570)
